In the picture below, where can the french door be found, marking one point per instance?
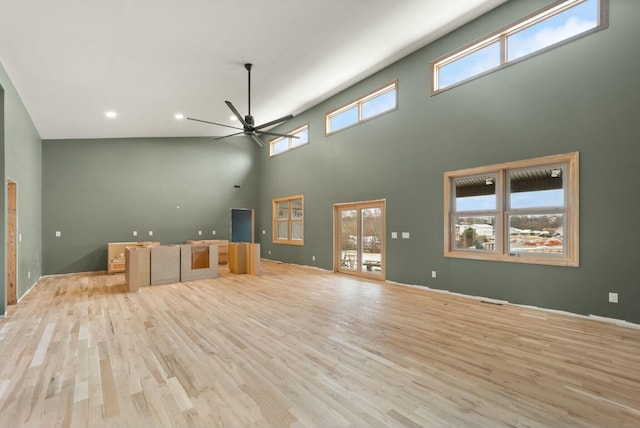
(360, 238)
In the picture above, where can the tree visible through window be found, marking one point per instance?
(524, 211)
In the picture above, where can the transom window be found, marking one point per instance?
(524, 211)
(296, 138)
(561, 22)
(288, 220)
(373, 105)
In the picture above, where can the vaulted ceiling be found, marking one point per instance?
(73, 60)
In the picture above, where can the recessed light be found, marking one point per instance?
(179, 116)
(111, 114)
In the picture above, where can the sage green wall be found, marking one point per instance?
(582, 96)
(22, 163)
(99, 191)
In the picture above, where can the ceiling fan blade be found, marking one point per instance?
(238, 115)
(257, 139)
(274, 122)
(213, 123)
(277, 135)
(230, 135)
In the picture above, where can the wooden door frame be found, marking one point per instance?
(336, 237)
(12, 241)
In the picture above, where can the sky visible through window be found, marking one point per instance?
(303, 138)
(283, 144)
(536, 199)
(473, 64)
(476, 203)
(344, 119)
(364, 109)
(280, 146)
(562, 26)
(380, 104)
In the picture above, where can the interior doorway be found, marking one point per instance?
(12, 244)
(242, 225)
(359, 243)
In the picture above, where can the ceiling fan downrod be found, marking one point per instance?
(248, 68)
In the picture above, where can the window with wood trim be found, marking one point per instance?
(368, 107)
(561, 22)
(288, 220)
(296, 138)
(524, 211)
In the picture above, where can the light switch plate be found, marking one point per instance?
(394, 235)
(405, 235)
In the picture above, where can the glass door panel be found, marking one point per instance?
(371, 227)
(348, 239)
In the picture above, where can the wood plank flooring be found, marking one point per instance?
(302, 347)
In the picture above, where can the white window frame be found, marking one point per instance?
(393, 86)
(291, 140)
(503, 35)
(568, 162)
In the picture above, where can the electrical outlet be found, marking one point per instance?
(313, 258)
(613, 297)
(433, 274)
(269, 252)
(213, 232)
(151, 233)
(135, 233)
(199, 232)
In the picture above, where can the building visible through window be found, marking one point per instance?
(524, 211)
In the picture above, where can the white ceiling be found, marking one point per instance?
(72, 60)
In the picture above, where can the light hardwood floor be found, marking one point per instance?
(305, 348)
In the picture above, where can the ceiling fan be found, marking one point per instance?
(248, 124)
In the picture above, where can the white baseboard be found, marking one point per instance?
(618, 322)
